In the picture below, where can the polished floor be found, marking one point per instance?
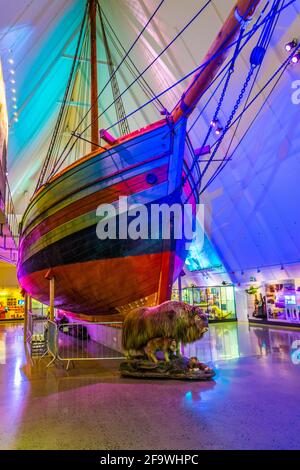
(253, 403)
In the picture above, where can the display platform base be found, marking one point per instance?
(176, 369)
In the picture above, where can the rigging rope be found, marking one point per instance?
(61, 160)
(224, 163)
(142, 82)
(124, 128)
(256, 59)
(248, 36)
(62, 109)
(155, 59)
(280, 71)
(105, 86)
(252, 87)
(254, 29)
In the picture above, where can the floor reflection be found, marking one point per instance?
(228, 341)
(252, 403)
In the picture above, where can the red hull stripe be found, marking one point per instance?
(104, 196)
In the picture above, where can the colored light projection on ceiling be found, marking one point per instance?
(3, 116)
(203, 257)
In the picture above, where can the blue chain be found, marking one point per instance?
(233, 112)
(220, 102)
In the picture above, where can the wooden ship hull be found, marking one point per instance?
(58, 238)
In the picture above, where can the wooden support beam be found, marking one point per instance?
(216, 56)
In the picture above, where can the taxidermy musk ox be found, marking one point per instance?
(172, 319)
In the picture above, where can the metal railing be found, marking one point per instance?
(52, 341)
(69, 342)
(36, 324)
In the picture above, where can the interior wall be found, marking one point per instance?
(8, 275)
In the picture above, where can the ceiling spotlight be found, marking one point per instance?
(12, 80)
(11, 61)
(291, 45)
(219, 130)
(16, 119)
(15, 113)
(15, 106)
(12, 71)
(214, 122)
(296, 58)
(14, 98)
(13, 90)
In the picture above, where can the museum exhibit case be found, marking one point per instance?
(217, 301)
(276, 302)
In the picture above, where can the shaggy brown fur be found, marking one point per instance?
(177, 320)
(160, 344)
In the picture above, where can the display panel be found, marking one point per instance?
(11, 304)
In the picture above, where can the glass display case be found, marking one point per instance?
(283, 301)
(217, 301)
(275, 302)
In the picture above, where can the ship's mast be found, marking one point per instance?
(94, 75)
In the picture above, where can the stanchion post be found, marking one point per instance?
(26, 305)
(52, 299)
(50, 277)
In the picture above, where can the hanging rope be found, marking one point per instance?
(154, 60)
(62, 158)
(130, 65)
(63, 106)
(225, 162)
(247, 36)
(252, 87)
(103, 89)
(257, 57)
